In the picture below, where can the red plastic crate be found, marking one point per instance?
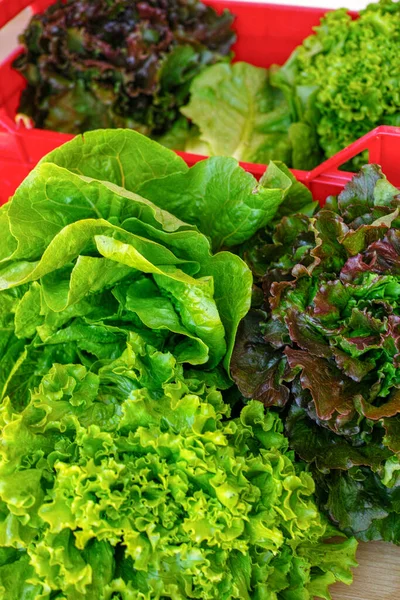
(266, 34)
(382, 144)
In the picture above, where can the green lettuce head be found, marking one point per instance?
(86, 261)
(127, 481)
(343, 80)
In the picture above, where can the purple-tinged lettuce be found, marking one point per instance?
(324, 344)
(95, 63)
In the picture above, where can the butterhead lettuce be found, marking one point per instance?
(236, 111)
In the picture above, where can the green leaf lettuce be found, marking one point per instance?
(112, 487)
(239, 113)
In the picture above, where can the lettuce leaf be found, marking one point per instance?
(221, 199)
(216, 195)
(239, 113)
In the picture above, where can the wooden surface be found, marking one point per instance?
(376, 578)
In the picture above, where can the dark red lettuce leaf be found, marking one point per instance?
(330, 392)
(331, 311)
(290, 241)
(358, 502)
(392, 429)
(260, 368)
(127, 63)
(329, 254)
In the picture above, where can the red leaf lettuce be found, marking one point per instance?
(324, 344)
(95, 63)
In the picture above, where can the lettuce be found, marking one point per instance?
(91, 256)
(215, 196)
(343, 80)
(89, 247)
(122, 474)
(126, 481)
(323, 342)
(94, 63)
(239, 113)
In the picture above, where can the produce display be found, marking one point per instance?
(343, 81)
(199, 370)
(94, 63)
(122, 472)
(322, 343)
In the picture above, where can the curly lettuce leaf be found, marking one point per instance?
(141, 475)
(339, 81)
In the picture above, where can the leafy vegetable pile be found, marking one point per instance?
(344, 80)
(324, 344)
(95, 63)
(121, 474)
(137, 489)
(338, 85)
(150, 66)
